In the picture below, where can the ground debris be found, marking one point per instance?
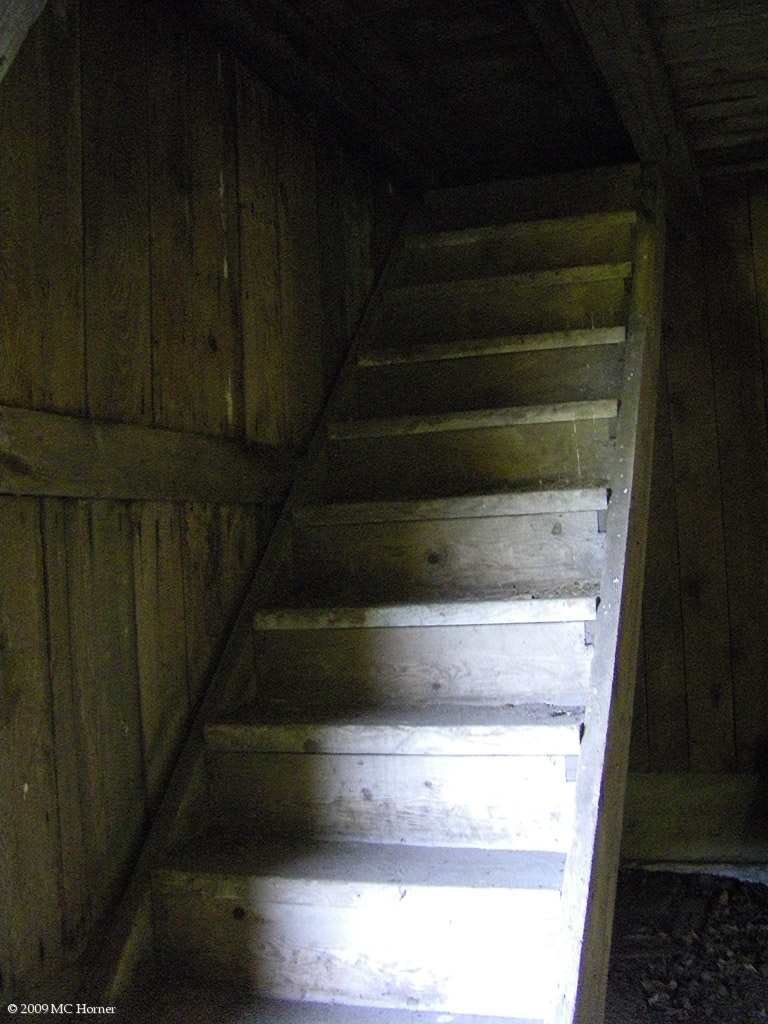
(690, 948)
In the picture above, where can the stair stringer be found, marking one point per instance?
(589, 884)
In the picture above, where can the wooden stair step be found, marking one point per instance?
(517, 245)
(476, 419)
(530, 303)
(447, 613)
(521, 378)
(441, 729)
(464, 348)
(522, 448)
(386, 925)
(505, 503)
(547, 196)
(431, 559)
(396, 655)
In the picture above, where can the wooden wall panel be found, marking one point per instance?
(193, 210)
(706, 700)
(161, 639)
(30, 934)
(220, 544)
(98, 537)
(41, 293)
(116, 225)
(137, 164)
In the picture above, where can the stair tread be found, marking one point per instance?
(445, 613)
(231, 853)
(164, 995)
(513, 730)
(503, 503)
(501, 283)
(420, 236)
(474, 419)
(466, 348)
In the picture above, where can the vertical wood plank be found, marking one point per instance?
(333, 256)
(639, 741)
(667, 711)
(104, 660)
(41, 303)
(116, 219)
(197, 350)
(30, 924)
(698, 495)
(743, 450)
(220, 545)
(263, 371)
(300, 278)
(161, 638)
(71, 779)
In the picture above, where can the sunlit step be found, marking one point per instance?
(387, 925)
(395, 551)
(439, 776)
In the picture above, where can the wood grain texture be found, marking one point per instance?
(161, 639)
(43, 453)
(195, 301)
(664, 684)
(743, 455)
(219, 548)
(98, 538)
(698, 494)
(116, 249)
(30, 915)
(42, 362)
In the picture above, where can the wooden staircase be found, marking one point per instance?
(403, 825)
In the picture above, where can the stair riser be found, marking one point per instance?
(448, 256)
(522, 803)
(545, 662)
(576, 452)
(484, 382)
(463, 951)
(416, 315)
(408, 560)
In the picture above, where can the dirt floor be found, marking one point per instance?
(688, 947)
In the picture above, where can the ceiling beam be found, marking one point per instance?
(16, 19)
(623, 48)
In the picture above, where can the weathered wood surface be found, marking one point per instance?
(590, 875)
(42, 355)
(374, 561)
(418, 800)
(30, 879)
(438, 952)
(583, 373)
(122, 217)
(695, 818)
(421, 665)
(46, 454)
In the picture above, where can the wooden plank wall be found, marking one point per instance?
(183, 253)
(702, 698)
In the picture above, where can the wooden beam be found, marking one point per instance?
(47, 454)
(623, 48)
(16, 19)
